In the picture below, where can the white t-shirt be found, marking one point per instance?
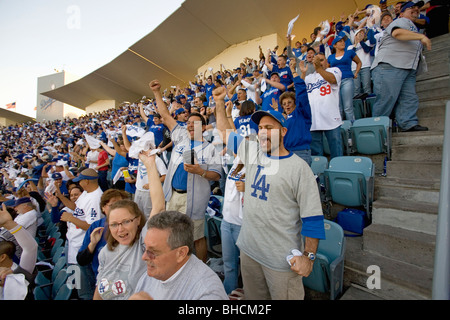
(233, 200)
(28, 220)
(92, 156)
(324, 100)
(88, 209)
(142, 177)
(365, 57)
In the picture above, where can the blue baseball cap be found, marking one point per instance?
(56, 176)
(87, 174)
(179, 111)
(411, 4)
(21, 201)
(336, 40)
(258, 115)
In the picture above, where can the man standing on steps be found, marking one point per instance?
(395, 68)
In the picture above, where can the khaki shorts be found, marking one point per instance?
(178, 203)
(262, 283)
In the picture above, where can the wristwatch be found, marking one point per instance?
(311, 256)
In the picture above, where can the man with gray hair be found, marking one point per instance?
(173, 272)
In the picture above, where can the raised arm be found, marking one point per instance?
(142, 112)
(24, 239)
(155, 185)
(169, 121)
(222, 123)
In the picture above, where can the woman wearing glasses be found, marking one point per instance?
(120, 261)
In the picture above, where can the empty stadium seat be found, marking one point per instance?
(372, 135)
(350, 181)
(358, 108)
(368, 103)
(328, 269)
(346, 137)
(212, 228)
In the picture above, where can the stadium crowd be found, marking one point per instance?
(115, 182)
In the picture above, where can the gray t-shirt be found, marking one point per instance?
(194, 281)
(119, 270)
(399, 53)
(281, 204)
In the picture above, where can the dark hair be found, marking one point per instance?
(180, 226)
(247, 107)
(8, 248)
(196, 114)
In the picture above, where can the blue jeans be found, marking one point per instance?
(334, 139)
(305, 155)
(103, 180)
(346, 99)
(230, 255)
(395, 91)
(363, 83)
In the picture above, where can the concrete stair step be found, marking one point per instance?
(438, 63)
(398, 281)
(412, 247)
(437, 110)
(417, 152)
(406, 193)
(431, 89)
(357, 292)
(433, 123)
(427, 170)
(439, 42)
(408, 183)
(413, 216)
(423, 138)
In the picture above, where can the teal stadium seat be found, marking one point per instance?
(372, 135)
(212, 229)
(345, 135)
(369, 101)
(358, 108)
(50, 290)
(350, 181)
(327, 275)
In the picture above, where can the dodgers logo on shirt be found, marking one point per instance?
(78, 212)
(180, 149)
(259, 184)
(93, 213)
(103, 286)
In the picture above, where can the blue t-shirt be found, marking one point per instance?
(245, 126)
(100, 244)
(297, 52)
(208, 90)
(179, 180)
(157, 130)
(298, 123)
(271, 92)
(117, 163)
(285, 74)
(344, 63)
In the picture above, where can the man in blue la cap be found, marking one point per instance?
(180, 116)
(282, 209)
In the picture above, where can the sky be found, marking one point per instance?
(41, 37)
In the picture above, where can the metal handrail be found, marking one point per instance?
(441, 275)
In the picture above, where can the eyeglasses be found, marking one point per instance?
(124, 223)
(152, 256)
